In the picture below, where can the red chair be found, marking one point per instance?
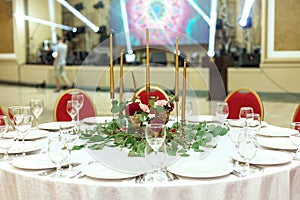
(243, 97)
(296, 117)
(2, 111)
(154, 92)
(60, 112)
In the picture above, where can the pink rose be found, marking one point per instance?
(144, 107)
(162, 102)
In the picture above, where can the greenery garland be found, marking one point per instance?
(111, 134)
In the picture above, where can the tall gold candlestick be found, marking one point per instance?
(121, 77)
(147, 63)
(112, 94)
(183, 94)
(176, 73)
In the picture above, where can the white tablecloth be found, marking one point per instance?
(276, 182)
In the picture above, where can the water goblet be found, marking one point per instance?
(155, 137)
(80, 101)
(57, 153)
(295, 139)
(5, 142)
(22, 123)
(222, 111)
(247, 150)
(69, 135)
(37, 107)
(71, 109)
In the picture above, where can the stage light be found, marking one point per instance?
(248, 23)
(78, 6)
(80, 30)
(211, 21)
(125, 25)
(245, 13)
(79, 15)
(98, 5)
(44, 22)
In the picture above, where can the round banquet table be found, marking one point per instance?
(275, 182)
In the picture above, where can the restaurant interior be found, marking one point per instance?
(197, 54)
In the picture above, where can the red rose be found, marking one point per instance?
(132, 108)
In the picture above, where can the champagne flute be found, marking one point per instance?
(37, 107)
(155, 137)
(23, 122)
(222, 111)
(247, 150)
(80, 102)
(5, 142)
(295, 139)
(57, 153)
(70, 135)
(71, 109)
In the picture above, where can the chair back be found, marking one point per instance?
(296, 117)
(243, 97)
(156, 92)
(2, 111)
(60, 113)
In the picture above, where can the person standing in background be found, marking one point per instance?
(60, 63)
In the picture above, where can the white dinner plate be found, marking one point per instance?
(200, 168)
(275, 131)
(99, 171)
(39, 161)
(54, 126)
(97, 120)
(268, 157)
(29, 146)
(32, 135)
(279, 143)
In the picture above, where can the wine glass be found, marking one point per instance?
(71, 109)
(222, 111)
(243, 114)
(37, 107)
(23, 122)
(247, 150)
(12, 110)
(70, 135)
(57, 153)
(5, 142)
(295, 138)
(80, 102)
(155, 137)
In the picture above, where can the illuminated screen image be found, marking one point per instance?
(175, 16)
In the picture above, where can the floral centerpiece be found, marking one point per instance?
(112, 134)
(157, 110)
